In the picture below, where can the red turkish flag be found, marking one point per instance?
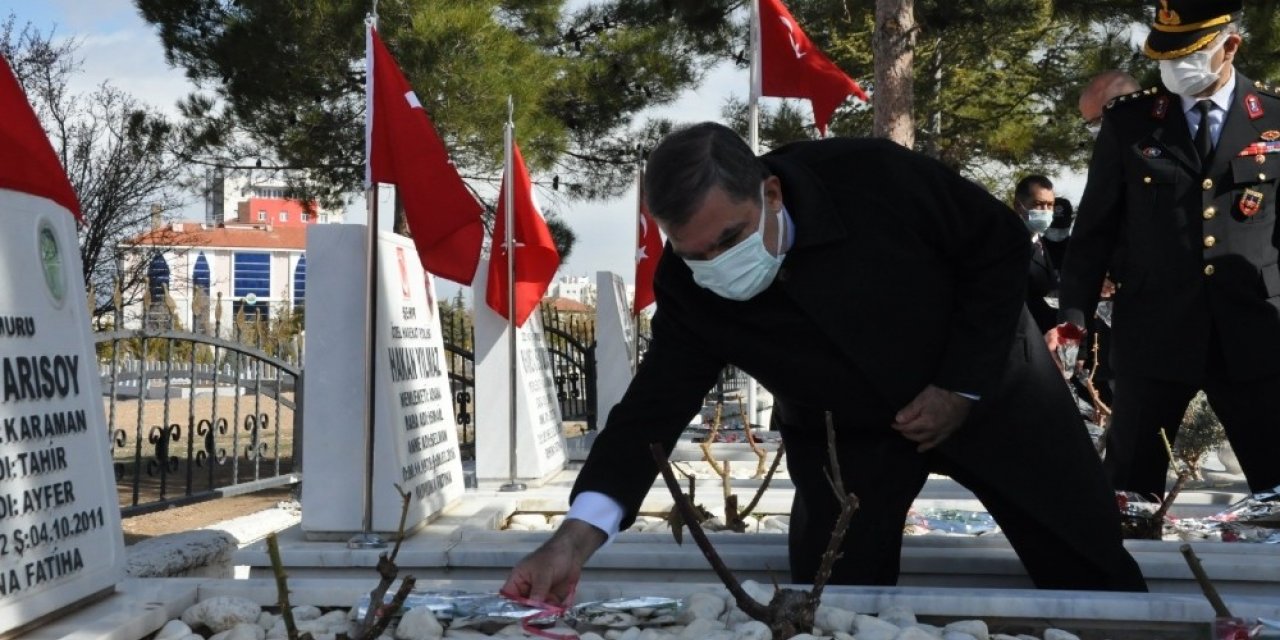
(404, 150)
(28, 163)
(536, 258)
(648, 250)
(792, 67)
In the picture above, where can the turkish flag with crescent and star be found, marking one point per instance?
(792, 67)
(404, 150)
(648, 250)
(28, 163)
(536, 258)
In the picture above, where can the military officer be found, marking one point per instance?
(1183, 176)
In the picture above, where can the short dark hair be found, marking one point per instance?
(690, 161)
(1022, 192)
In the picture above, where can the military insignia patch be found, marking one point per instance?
(1151, 152)
(1253, 106)
(1250, 203)
(1160, 107)
(1270, 135)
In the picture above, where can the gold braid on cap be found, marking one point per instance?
(1178, 53)
(1194, 26)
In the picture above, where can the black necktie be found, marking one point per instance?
(1204, 143)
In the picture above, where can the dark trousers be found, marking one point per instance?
(1250, 413)
(1024, 453)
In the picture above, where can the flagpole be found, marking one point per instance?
(753, 138)
(367, 539)
(508, 199)
(635, 309)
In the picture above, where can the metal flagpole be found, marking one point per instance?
(635, 310)
(753, 134)
(508, 199)
(367, 539)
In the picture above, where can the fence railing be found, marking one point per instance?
(193, 416)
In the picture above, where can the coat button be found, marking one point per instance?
(1208, 270)
(1146, 179)
(1209, 241)
(1209, 213)
(1207, 184)
(1262, 176)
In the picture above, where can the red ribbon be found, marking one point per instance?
(545, 609)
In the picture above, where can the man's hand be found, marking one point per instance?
(932, 417)
(550, 574)
(1064, 339)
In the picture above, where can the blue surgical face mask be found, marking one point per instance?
(1038, 220)
(745, 269)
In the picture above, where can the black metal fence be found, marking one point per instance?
(195, 416)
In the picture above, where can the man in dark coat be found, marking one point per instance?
(1183, 176)
(1034, 202)
(862, 278)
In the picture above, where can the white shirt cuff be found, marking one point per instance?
(599, 511)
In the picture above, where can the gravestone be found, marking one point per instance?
(615, 343)
(415, 440)
(60, 534)
(540, 443)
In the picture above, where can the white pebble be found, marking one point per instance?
(761, 593)
(1001, 636)
(869, 628)
(462, 634)
(306, 612)
(899, 615)
(590, 635)
(805, 636)
(957, 635)
(833, 619)
(243, 631)
(267, 620)
(332, 619)
(702, 605)
(1059, 634)
(930, 629)
(753, 630)
(700, 628)
(975, 628)
(172, 630)
(531, 519)
(915, 633)
(720, 634)
(840, 635)
(419, 624)
(221, 613)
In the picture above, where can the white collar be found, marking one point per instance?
(1221, 98)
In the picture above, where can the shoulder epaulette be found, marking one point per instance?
(1131, 97)
(1268, 89)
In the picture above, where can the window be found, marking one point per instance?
(306, 217)
(259, 310)
(157, 277)
(300, 284)
(262, 215)
(284, 216)
(252, 274)
(200, 281)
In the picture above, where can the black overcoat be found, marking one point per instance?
(916, 276)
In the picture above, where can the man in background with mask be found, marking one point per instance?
(1183, 176)
(1033, 200)
(861, 278)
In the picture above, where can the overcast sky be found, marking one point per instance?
(118, 46)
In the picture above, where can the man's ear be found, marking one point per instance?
(772, 194)
(1230, 46)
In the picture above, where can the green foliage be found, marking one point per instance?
(285, 79)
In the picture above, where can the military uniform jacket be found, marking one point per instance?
(902, 274)
(1198, 271)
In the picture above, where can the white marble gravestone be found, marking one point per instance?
(60, 535)
(415, 438)
(615, 343)
(540, 443)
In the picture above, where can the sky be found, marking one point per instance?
(117, 45)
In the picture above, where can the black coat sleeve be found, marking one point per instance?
(1097, 226)
(668, 390)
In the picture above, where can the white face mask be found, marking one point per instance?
(1192, 73)
(746, 269)
(1038, 220)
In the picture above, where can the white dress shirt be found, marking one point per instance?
(1221, 104)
